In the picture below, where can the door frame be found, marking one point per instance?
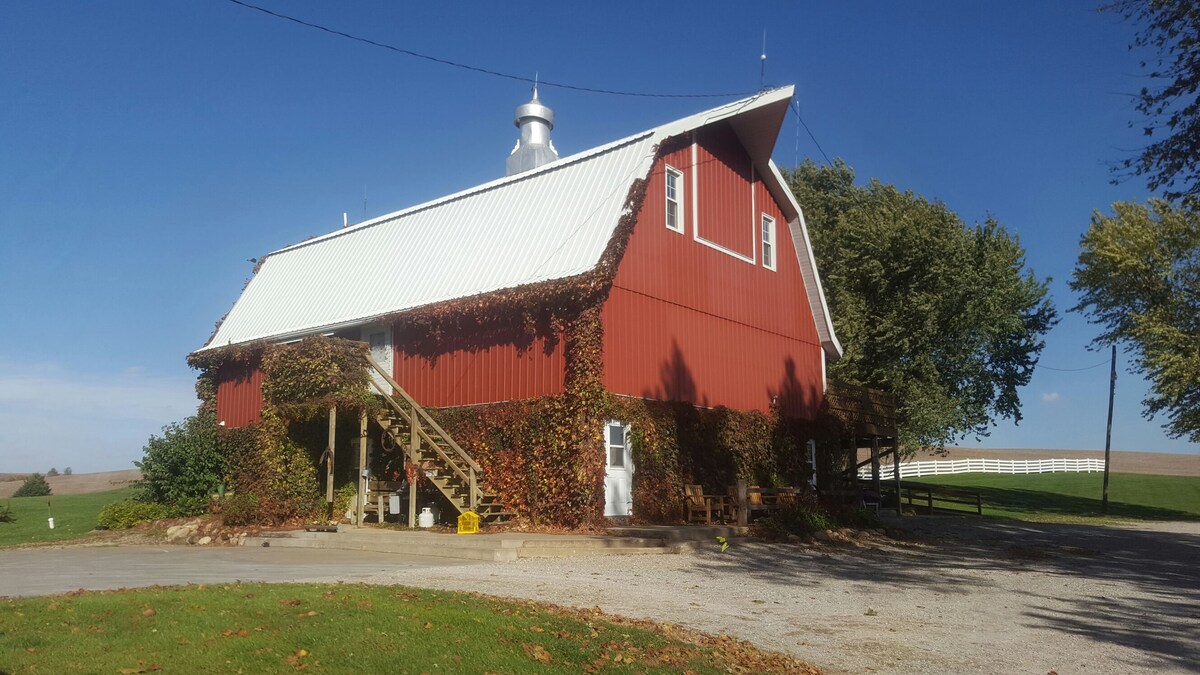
(612, 472)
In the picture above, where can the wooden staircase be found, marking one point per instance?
(427, 445)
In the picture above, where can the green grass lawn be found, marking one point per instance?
(74, 517)
(338, 628)
(1076, 496)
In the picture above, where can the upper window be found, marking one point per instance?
(616, 445)
(674, 199)
(768, 242)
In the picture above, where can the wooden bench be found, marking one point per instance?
(760, 500)
(379, 492)
(702, 507)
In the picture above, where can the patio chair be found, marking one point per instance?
(701, 507)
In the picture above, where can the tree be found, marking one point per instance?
(1170, 105)
(67, 471)
(52, 472)
(1139, 276)
(944, 315)
(34, 486)
(183, 467)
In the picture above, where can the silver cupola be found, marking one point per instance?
(534, 148)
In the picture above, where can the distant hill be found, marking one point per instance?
(75, 484)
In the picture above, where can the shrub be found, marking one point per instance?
(240, 509)
(803, 517)
(6, 514)
(34, 486)
(183, 467)
(52, 472)
(856, 517)
(343, 499)
(126, 514)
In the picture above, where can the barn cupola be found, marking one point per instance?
(534, 147)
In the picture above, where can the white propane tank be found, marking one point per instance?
(426, 518)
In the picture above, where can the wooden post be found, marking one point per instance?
(362, 467)
(414, 454)
(329, 462)
(896, 475)
(743, 496)
(1112, 390)
(875, 465)
(852, 456)
(473, 501)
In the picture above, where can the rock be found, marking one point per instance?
(179, 534)
(823, 535)
(204, 541)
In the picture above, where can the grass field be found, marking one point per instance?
(1068, 496)
(74, 517)
(343, 629)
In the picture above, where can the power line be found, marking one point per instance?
(796, 109)
(476, 69)
(1073, 370)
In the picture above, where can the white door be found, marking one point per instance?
(380, 339)
(618, 476)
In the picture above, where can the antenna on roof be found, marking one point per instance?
(762, 69)
(345, 219)
(535, 81)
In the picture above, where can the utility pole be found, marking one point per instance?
(1112, 390)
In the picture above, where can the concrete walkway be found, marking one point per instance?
(499, 546)
(40, 571)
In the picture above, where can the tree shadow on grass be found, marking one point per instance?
(1055, 503)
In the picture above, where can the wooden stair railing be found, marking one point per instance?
(455, 474)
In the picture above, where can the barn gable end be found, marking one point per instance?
(699, 315)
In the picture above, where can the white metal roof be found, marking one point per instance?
(549, 223)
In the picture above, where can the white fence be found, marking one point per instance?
(942, 467)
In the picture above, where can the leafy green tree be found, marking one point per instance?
(67, 471)
(52, 472)
(1171, 105)
(946, 316)
(34, 486)
(183, 467)
(1139, 276)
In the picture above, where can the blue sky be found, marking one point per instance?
(148, 149)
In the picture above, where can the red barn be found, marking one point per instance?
(687, 233)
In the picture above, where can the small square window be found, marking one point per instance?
(674, 184)
(768, 242)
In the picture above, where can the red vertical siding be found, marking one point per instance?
(484, 368)
(239, 396)
(688, 322)
(725, 203)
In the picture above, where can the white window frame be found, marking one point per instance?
(672, 172)
(770, 252)
(609, 446)
(811, 446)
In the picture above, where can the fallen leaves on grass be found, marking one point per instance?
(537, 652)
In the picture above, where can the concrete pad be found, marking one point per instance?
(41, 571)
(491, 547)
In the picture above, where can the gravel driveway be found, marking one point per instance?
(964, 596)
